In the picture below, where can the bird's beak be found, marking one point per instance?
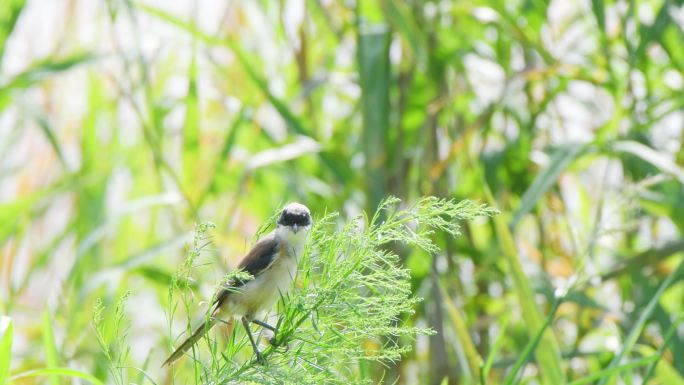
(295, 228)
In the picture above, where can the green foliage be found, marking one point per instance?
(5, 347)
(111, 336)
(645, 314)
(531, 346)
(350, 300)
(123, 123)
(374, 78)
(9, 14)
(52, 372)
(49, 345)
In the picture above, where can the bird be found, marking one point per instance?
(272, 262)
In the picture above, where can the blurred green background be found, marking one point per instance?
(125, 123)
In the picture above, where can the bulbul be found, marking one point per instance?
(273, 264)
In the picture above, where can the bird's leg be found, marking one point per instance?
(220, 320)
(264, 324)
(274, 339)
(259, 357)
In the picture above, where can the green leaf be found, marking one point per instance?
(374, 74)
(548, 353)
(46, 127)
(608, 373)
(598, 8)
(40, 71)
(9, 14)
(652, 156)
(403, 21)
(644, 316)
(191, 126)
(498, 343)
(560, 160)
(667, 374)
(662, 369)
(12, 214)
(67, 372)
(657, 31)
(338, 168)
(5, 347)
(671, 40)
(531, 346)
(219, 163)
(49, 345)
(461, 328)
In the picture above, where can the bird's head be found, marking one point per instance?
(295, 217)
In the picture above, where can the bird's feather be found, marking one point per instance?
(260, 258)
(199, 332)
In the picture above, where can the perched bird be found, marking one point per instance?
(273, 264)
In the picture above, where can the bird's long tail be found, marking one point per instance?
(196, 336)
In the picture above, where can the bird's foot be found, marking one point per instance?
(260, 358)
(276, 343)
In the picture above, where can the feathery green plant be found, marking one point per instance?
(113, 342)
(349, 296)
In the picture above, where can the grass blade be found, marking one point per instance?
(40, 71)
(473, 357)
(219, 163)
(49, 132)
(191, 126)
(651, 156)
(545, 179)
(338, 168)
(532, 345)
(67, 372)
(399, 15)
(498, 342)
(598, 8)
(666, 373)
(49, 345)
(374, 71)
(13, 214)
(656, 31)
(608, 373)
(548, 353)
(9, 14)
(641, 322)
(5, 347)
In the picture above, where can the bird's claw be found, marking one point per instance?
(260, 359)
(276, 344)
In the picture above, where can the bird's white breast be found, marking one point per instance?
(261, 293)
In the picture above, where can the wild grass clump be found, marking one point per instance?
(348, 303)
(112, 338)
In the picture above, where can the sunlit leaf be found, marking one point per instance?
(5, 347)
(51, 359)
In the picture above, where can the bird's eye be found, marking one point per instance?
(289, 219)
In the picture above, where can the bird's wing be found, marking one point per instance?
(260, 258)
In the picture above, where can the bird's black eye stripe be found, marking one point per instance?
(289, 219)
